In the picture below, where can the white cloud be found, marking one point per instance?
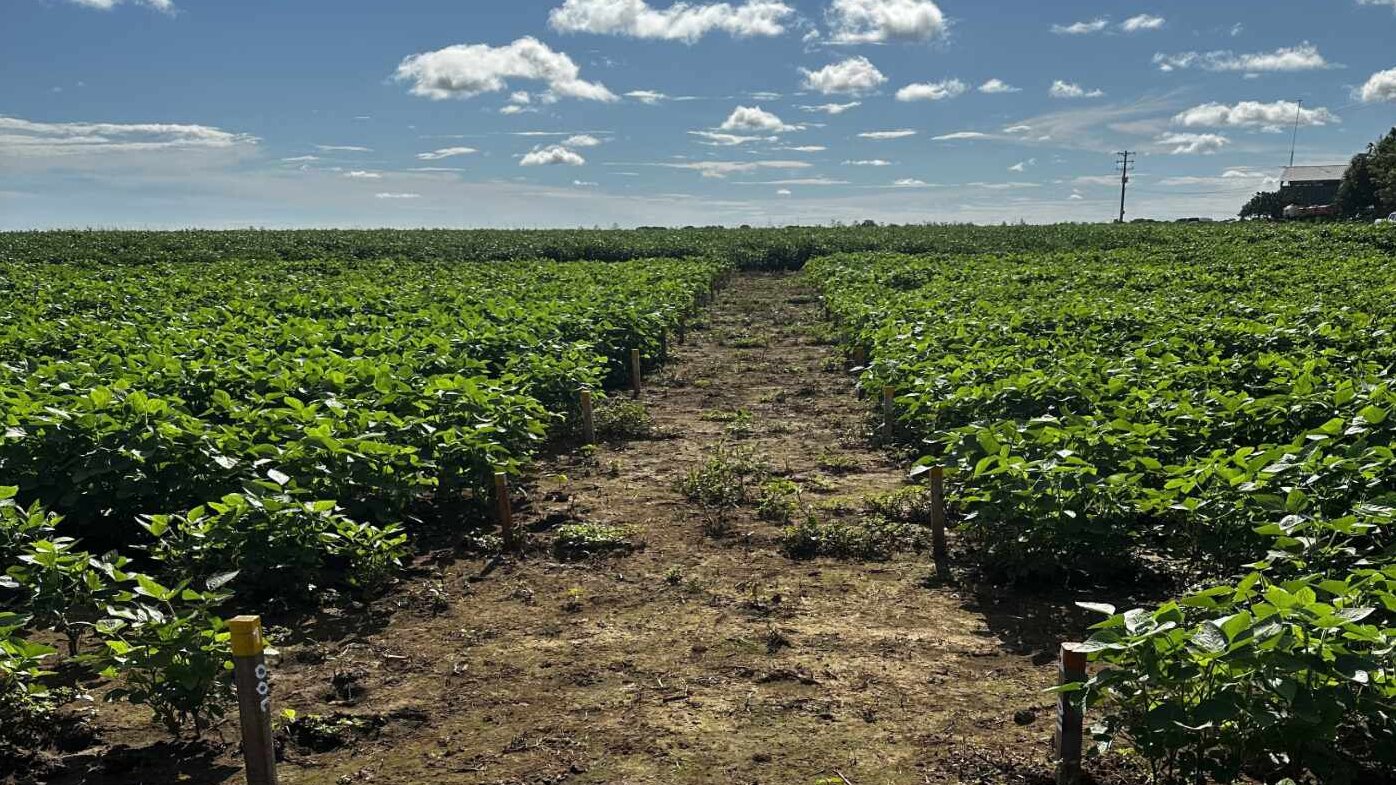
(783, 192)
(1060, 89)
(880, 21)
(584, 183)
(901, 133)
(396, 196)
(1082, 28)
(764, 95)
(716, 139)
(1022, 166)
(994, 86)
(516, 109)
(1017, 129)
(468, 70)
(1135, 24)
(106, 5)
(359, 174)
(342, 148)
(720, 169)
(1382, 85)
(932, 91)
(1253, 114)
(1075, 197)
(871, 162)
(910, 182)
(1390, 3)
(445, 152)
(1304, 57)
(552, 155)
(581, 140)
(959, 135)
(833, 109)
(754, 118)
(24, 138)
(649, 97)
(300, 159)
(1193, 144)
(804, 148)
(678, 22)
(800, 181)
(854, 75)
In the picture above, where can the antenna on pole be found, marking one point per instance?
(1126, 166)
(1298, 111)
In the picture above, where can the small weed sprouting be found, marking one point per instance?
(583, 540)
(779, 502)
(721, 485)
(674, 575)
(873, 538)
(619, 420)
(911, 504)
(573, 600)
(836, 463)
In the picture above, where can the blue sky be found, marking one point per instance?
(176, 113)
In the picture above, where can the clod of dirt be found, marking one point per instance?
(1025, 717)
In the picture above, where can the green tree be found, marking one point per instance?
(1357, 196)
(1383, 169)
(1265, 204)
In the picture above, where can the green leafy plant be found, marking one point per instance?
(581, 540)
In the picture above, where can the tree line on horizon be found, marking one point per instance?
(1368, 189)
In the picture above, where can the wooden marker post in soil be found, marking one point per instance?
(505, 511)
(1069, 719)
(253, 683)
(938, 548)
(635, 372)
(682, 330)
(588, 419)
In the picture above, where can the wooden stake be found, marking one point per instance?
(1069, 719)
(635, 372)
(683, 334)
(506, 512)
(588, 419)
(938, 549)
(253, 683)
(860, 357)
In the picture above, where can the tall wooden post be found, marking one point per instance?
(635, 372)
(938, 548)
(1069, 719)
(253, 683)
(505, 511)
(588, 419)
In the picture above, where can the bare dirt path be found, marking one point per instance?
(694, 659)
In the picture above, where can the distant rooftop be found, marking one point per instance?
(1313, 174)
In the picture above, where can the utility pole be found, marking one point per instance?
(1298, 112)
(1126, 166)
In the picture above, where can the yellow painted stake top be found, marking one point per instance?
(246, 636)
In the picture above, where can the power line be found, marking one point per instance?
(1126, 166)
(1298, 112)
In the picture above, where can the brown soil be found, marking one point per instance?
(693, 659)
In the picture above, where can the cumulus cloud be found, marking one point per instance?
(679, 22)
(468, 70)
(396, 196)
(870, 162)
(833, 109)
(959, 135)
(649, 97)
(552, 155)
(1193, 144)
(853, 76)
(359, 174)
(910, 182)
(720, 169)
(1304, 57)
(1082, 28)
(1060, 89)
(1382, 85)
(783, 192)
(1136, 24)
(24, 138)
(754, 118)
(581, 140)
(1253, 114)
(900, 133)
(445, 152)
(1022, 166)
(881, 21)
(932, 91)
(994, 86)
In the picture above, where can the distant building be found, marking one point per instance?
(1311, 186)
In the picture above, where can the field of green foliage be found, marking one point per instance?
(180, 439)
(1219, 409)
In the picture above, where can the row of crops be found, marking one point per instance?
(179, 441)
(1218, 411)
